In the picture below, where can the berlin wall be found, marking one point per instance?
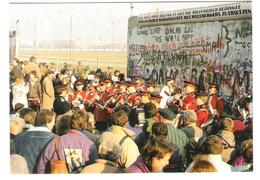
(219, 44)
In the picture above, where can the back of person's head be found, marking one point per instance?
(33, 59)
(78, 120)
(120, 118)
(227, 124)
(90, 120)
(44, 117)
(121, 76)
(246, 149)
(18, 164)
(212, 145)
(28, 115)
(18, 106)
(109, 150)
(34, 73)
(16, 125)
(149, 110)
(156, 147)
(116, 71)
(190, 116)
(159, 129)
(202, 166)
(62, 125)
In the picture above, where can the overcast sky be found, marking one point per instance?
(92, 22)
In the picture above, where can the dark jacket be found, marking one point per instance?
(30, 144)
(60, 105)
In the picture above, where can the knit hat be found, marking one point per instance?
(167, 114)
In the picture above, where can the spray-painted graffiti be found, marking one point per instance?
(208, 52)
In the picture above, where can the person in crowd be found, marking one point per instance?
(17, 108)
(215, 103)
(28, 115)
(190, 128)
(166, 91)
(60, 105)
(151, 87)
(228, 138)
(109, 155)
(175, 135)
(124, 137)
(202, 166)
(90, 131)
(202, 109)
(189, 100)
(212, 148)
(203, 82)
(79, 93)
(115, 77)
(35, 92)
(19, 92)
(48, 91)
(155, 98)
(154, 157)
(31, 143)
(149, 119)
(102, 111)
(16, 71)
(245, 156)
(43, 68)
(32, 66)
(18, 164)
(73, 147)
(16, 128)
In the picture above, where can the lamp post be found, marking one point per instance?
(70, 35)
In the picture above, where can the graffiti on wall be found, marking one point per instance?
(216, 52)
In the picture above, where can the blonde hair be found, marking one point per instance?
(202, 166)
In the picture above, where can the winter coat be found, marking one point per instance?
(72, 142)
(47, 94)
(129, 149)
(30, 144)
(138, 167)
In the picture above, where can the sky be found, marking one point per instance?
(93, 22)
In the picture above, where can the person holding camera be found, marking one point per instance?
(166, 92)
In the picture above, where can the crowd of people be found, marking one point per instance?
(82, 121)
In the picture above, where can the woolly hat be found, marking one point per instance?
(167, 114)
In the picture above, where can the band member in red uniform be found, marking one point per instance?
(139, 83)
(120, 96)
(155, 99)
(189, 100)
(216, 103)
(202, 110)
(78, 96)
(150, 87)
(132, 98)
(101, 112)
